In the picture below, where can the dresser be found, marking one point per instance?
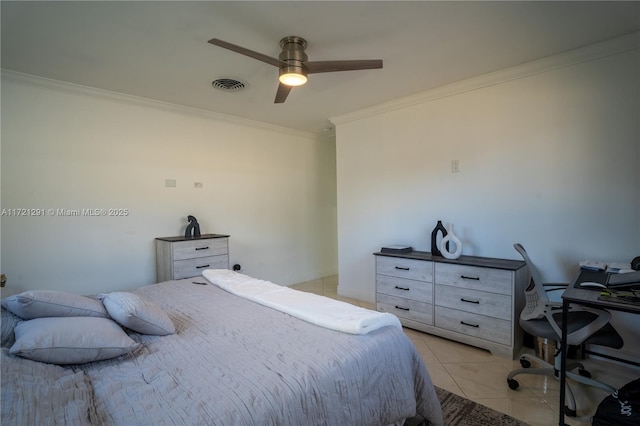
(184, 257)
(473, 300)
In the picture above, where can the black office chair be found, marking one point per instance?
(542, 318)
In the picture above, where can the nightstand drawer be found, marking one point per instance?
(194, 267)
(405, 308)
(419, 291)
(480, 326)
(475, 278)
(404, 268)
(199, 248)
(478, 302)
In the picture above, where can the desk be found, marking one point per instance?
(585, 297)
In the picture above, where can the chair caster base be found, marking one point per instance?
(513, 384)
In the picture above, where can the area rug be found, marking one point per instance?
(459, 411)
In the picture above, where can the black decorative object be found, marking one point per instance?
(635, 263)
(434, 238)
(193, 228)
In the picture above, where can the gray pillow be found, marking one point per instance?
(137, 314)
(50, 303)
(70, 340)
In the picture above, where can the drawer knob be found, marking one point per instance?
(462, 299)
(203, 266)
(202, 248)
(470, 325)
(401, 308)
(402, 288)
(464, 277)
(401, 268)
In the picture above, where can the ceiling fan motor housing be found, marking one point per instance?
(294, 55)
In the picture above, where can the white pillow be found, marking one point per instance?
(70, 340)
(50, 303)
(137, 314)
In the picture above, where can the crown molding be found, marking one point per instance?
(66, 87)
(588, 53)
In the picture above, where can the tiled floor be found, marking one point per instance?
(477, 375)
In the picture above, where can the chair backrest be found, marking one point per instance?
(536, 297)
(538, 306)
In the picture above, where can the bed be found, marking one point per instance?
(233, 358)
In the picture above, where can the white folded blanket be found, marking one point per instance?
(319, 310)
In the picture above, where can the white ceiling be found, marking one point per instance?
(159, 50)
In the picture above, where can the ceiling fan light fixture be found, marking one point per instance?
(293, 63)
(292, 76)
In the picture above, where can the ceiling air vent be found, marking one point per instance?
(228, 84)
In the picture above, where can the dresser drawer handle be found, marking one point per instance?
(401, 308)
(401, 268)
(203, 266)
(462, 299)
(403, 288)
(464, 277)
(202, 248)
(470, 325)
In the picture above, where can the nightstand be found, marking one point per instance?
(184, 257)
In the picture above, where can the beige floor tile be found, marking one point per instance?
(425, 352)
(440, 377)
(330, 283)
(450, 351)
(484, 380)
(413, 334)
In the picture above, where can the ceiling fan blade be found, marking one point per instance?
(243, 51)
(332, 66)
(282, 93)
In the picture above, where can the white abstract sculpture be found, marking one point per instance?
(453, 241)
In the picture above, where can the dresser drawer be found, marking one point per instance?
(199, 248)
(478, 302)
(475, 278)
(404, 268)
(405, 308)
(419, 291)
(480, 326)
(194, 267)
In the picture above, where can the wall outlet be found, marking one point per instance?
(455, 166)
(197, 185)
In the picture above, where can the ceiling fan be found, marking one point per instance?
(293, 63)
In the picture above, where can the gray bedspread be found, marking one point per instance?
(234, 362)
